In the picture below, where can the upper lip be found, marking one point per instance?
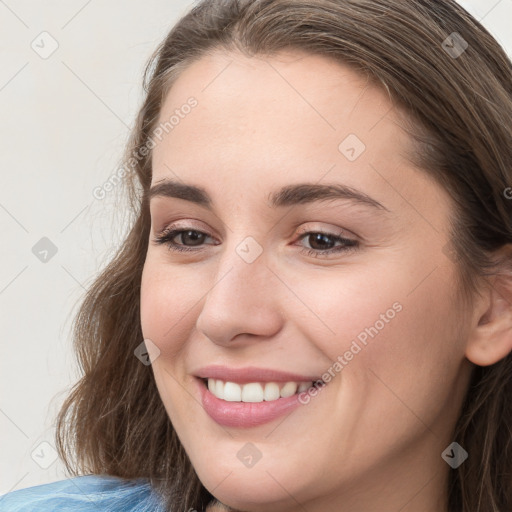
(251, 374)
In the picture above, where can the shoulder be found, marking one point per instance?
(84, 494)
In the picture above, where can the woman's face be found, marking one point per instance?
(313, 248)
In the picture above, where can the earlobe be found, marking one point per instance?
(491, 339)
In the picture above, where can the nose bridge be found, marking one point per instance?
(240, 299)
(242, 265)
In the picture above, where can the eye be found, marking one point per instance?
(323, 243)
(187, 239)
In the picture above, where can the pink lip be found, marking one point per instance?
(250, 374)
(244, 414)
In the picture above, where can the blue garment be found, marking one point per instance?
(91, 493)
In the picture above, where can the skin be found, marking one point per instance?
(372, 439)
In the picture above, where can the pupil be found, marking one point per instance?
(320, 237)
(194, 236)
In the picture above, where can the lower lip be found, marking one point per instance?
(245, 414)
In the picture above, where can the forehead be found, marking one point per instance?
(290, 116)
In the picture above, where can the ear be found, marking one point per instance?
(491, 338)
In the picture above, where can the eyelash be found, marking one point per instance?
(350, 245)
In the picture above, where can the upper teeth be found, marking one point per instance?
(255, 391)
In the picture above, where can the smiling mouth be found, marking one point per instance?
(255, 392)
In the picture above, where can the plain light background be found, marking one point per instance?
(64, 120)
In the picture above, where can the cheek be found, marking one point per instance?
(167, 304)
(167, 316)
(395, 342)
(398, 314)
(412, 366)
(347, 311)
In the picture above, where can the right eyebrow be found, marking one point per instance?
(170, 188)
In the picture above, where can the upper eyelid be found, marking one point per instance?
(332, 232)
(189, 224)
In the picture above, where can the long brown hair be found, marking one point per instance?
(114, 422)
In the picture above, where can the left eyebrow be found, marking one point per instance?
(301, 193)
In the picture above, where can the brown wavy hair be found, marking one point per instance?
(113, 422)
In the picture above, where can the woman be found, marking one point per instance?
(319, 266)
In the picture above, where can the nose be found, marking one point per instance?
(242, 303)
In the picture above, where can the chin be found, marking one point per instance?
(253, 489)
(266, 486)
